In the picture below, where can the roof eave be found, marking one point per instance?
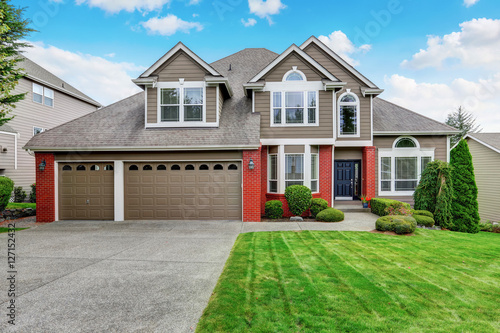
(479, 141)
(381, 133)
(373, 92)
(154, 148)
(215, 81)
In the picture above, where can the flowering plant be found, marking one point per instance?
(365, 199)
(398, 209)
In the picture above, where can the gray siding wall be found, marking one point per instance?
(439, 142)
(7, 159)
(211, 104)
(179, 66)
(29, 114)
(348, 154)
(486, 169)
(152, 106)
(353, 83)
(276, 75)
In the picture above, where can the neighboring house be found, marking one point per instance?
(485, 151)
(49, 102)
(216, 141)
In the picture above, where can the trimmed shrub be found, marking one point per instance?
(6, 187)
(426, 221)
(317, 205)
(33, 193)
(496, 228)
(398, 209)
(486, 226)
(398, 224)
(299, 199)
(330, 215)
(423, 213)
(19, 194)
(465, 209)
(379, 205)
(274, 209)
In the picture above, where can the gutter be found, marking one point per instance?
(380, 133)
(136, 149)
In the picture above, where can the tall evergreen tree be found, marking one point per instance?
(463, 121)
(464, 207)
(13, 29)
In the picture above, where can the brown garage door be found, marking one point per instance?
(183, 191)
(86, 191)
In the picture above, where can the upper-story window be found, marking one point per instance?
(37, 130)
(294, 75)
(294, 108)
(43, 95)
(182, 102)
(348, 114)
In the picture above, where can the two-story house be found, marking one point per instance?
(49, 102)
(216, 141)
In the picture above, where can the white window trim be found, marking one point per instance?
(43, 95)
(317, 171)
(303, 180)
(401, 152)
(358, 115)
(269, 173)
(283, 109)
(294, 70)
(181, 85)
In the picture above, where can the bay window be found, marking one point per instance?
(294, 108)
(294, 169)
(273, 173)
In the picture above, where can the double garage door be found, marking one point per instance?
(153, 190)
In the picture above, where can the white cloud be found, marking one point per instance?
(436, 100)
(115, 6)
(110, 55)
(169, 25)
(342, 45)
(469, 3)
(249, 23)
(265, 8)
(194, 2)
(101, 79)
(476, 45)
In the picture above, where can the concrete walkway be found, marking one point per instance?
(133, 276)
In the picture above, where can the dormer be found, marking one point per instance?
(182, 90)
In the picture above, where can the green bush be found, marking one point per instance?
(6, 187)
(465, 209)
(274, 209)
(399, 208)
(33, 193)
(486, 226)
(496, 229)
(19, 194)
(398, 224)
(317, 205)
(330, 215)
(299, 199)
(423, 213)
(424, 220)
(379, 205)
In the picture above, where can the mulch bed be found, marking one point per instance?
(24, 222)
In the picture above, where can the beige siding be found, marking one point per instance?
(353, 83)
(211, 104)
(348, 154)
(7, 158)
(29, 114)
(152, 107)
(152, 156)
(276, 74)
(486, 169)
(324, 130)
(180, 65)
(221, 102)
(439, 142)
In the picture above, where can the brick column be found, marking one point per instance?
(369, 179)
(45, 188)
(325, 173)
(263, 179)
(252, 186)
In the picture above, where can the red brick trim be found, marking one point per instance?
(252, 186)
(263, 178)
(45, 188)
(326, 173)
(369, 179)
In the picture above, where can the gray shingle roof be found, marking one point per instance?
(492, 139)
(7, 128)
(40, 74)
(389, 117)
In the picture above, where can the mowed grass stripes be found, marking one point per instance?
(327, 281)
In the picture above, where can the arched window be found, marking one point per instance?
(218, 167)
(294, 75)
(189, 167)
(133, 167)
(204, 167)
(94, 167)
(81, 168)
(147, 167)
(108, 167)
(175, 167)
(161, 167)
(233, 167)
(405, 143)
(67, 168)
(348, 114)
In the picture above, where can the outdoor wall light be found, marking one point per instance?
(251, 165)
(42, 165)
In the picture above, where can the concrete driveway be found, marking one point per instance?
(134, 276)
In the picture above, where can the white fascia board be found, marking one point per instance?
(295, 142)
(334, 85)
(149, 82)
(371, 92)
(381, 133)
(135, 149)
(174, 50)
(354, 143)
(335, 56)
(294, 48)
(479, 141)
(215, 81)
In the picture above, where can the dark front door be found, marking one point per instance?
(347, 180)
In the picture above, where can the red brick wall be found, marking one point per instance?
(325, 173)
(45, 189)
(263, 177)
(252, 186)
(369, 182)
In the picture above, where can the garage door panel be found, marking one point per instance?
(203, 201)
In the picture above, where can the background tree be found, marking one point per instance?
(435, 193)
(464, 207)
(13, 29)
(463, 121)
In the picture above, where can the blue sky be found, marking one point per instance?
(430, 56)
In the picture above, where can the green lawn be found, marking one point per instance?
(14, 205)
(317, 281)
(4, 230)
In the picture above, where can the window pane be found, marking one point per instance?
(294, 116)
(406, 185)
(294, 77)
(273, 186)
(170, 96)
(311, 116)
(294, 182)
(276, 99)
(385, 168)
(311, 99)
(348, 99)
(348, 124)
(405, 143)
(37, 98)
(273, 167)
(277, 116)
(386, 185)
(294, 167)
(314, 166)
(193, 113)
(294, 99)
(314, 186)
(193, 96)
(169, 113)
(406, 168)
(425, 160)
(37, 130)
(37, 89)
(48, 93)
(48, 101)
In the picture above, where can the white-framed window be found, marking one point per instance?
(37, 130)
(181, 103)
(294, 75)
(401, 166)
(43, 95)
(294, 108)
(348, 115)
(314, 172)
(294, 169)
(273, 173)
